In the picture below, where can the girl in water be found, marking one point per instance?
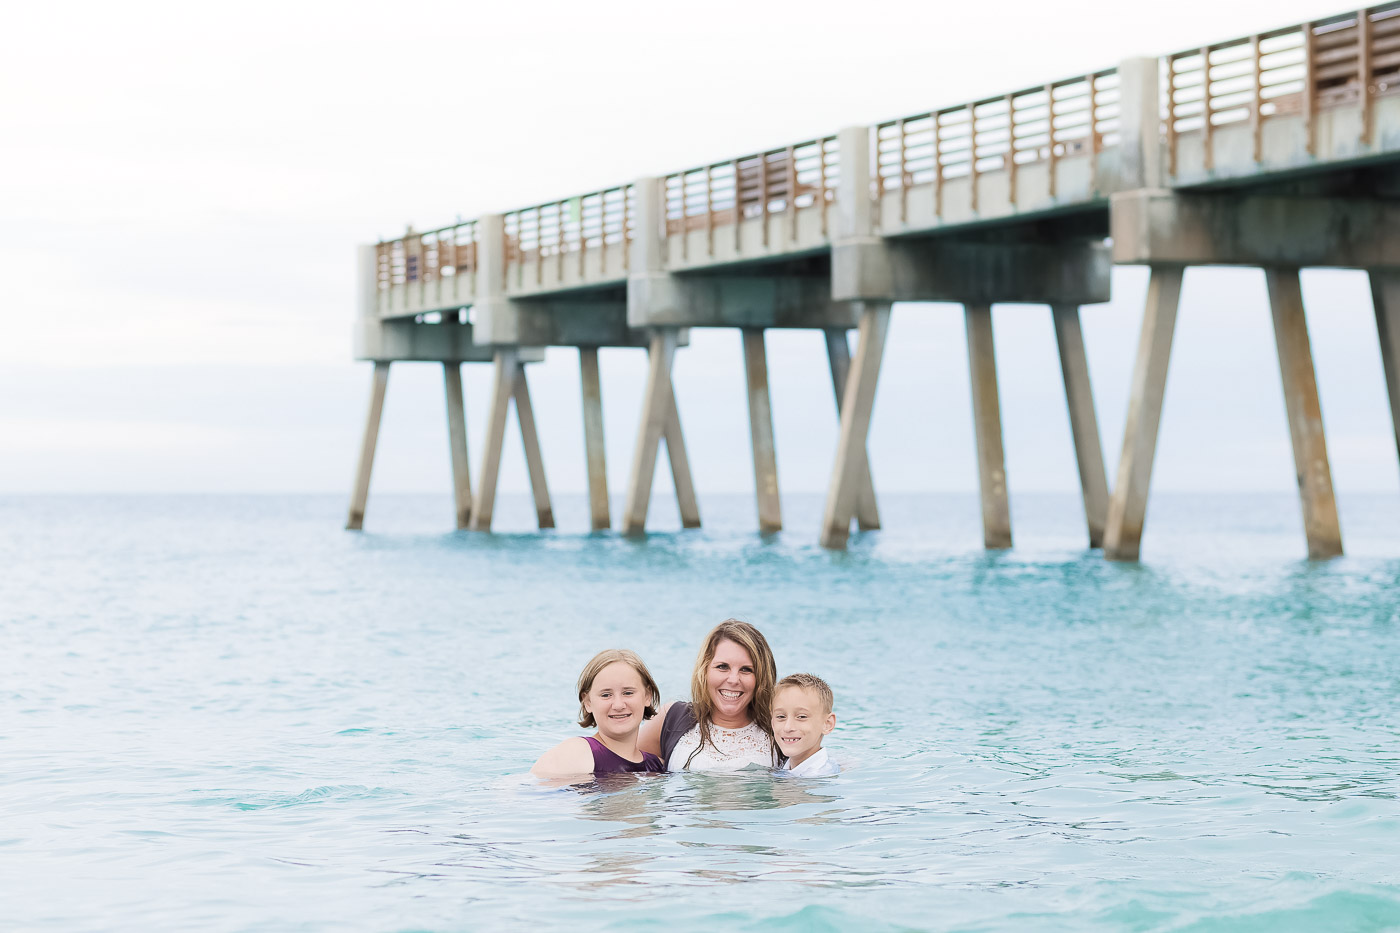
(615, 693)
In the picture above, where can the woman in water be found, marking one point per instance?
(727, 725)
(615, 693)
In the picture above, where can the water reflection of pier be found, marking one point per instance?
(1276, 150)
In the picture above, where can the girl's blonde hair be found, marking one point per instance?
(593, 668)
(765, 676)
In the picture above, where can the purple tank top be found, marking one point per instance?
(607, 761)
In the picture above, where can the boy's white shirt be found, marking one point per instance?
(818, 765)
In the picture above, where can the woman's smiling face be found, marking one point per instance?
(731, 681)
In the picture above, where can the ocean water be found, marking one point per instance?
(227, 713)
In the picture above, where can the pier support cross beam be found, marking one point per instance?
(986, 419)
(1295, 361)
(1385, 294)
(838, 352)
(534, 460)
(1083, 424)
(765, 458)
(856, 408)
(457, 443)
(360, 495)
(503, 386)
(1127, 506)
(594, 453)
(658, 406)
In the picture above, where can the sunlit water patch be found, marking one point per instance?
(226, 713)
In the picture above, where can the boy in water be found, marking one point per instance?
(801, 716)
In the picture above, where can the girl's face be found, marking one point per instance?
(731, 679)
(617, 700)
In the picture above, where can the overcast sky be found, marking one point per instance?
(185, 185)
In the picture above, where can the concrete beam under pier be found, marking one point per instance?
(944, 269)
(781, 299)
(1167, 227)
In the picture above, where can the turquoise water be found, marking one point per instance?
(226, 713)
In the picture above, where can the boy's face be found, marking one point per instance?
(799, 722)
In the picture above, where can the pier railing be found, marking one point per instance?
(597, 222)
(1073, 117)
(1056, 132)
(755, 186)
(429, 256)
(1299, 70)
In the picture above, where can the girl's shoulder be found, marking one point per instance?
(571, 756)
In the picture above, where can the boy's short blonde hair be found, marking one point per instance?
(810, 682)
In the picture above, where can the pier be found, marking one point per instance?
(1279, 150)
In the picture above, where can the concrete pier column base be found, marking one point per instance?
(594, 453)
(1127, 506)
(502, 388)
(986, 421)
(1295, 361)
(360, 495)
(765, 458)
(838, 352)
(1385, 294)
(856, 408)
(657, 408)
(534, 460)
(1083, 423)
(457, 443)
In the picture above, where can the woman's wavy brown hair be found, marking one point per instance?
(765, 677)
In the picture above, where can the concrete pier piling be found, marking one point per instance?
(838, 352)
(457, 444)
(360, 496)
(595, 457)
(1320, 524)
(844, 490)
(986, 425)
(1083, 422)
(765, 458)
(1385, 295)
(1222, 155)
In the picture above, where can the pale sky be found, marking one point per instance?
(185, 186)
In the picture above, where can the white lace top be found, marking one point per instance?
(733, 749)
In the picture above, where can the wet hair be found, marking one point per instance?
(813, 683)
(765, 676)
(593, 668)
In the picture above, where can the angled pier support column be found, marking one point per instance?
(838, 352)
(765, 458)
(686, 502)
(658, 406)
(502, 388)
(534, 460)
(986, 422)
(1083, 423)
(856, 408)
(594, 452)
(1295, 361)
(360, 495)
(1127, 506)
(1385, 294)
(457, 443)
